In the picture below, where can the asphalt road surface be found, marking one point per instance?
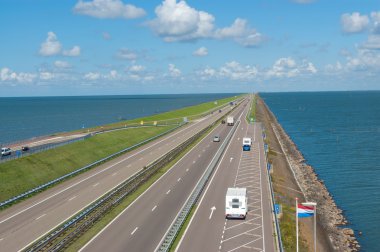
(27, 221)
(209, 230)
(142, 225)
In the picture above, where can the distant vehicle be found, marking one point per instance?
(5, 151)
(247, 143)
(216, 139)
(223, 121)
(220, 111)
(230, 121)
(25, 148)
(236, 203)
(231, 103)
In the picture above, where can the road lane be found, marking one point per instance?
(237, 169)
(17, 224)
(168, 193)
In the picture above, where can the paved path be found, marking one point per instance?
(238, 168)
(144, 223)
(27, 221)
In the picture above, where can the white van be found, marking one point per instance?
(6, 151)
(236, 203)
(247, 142)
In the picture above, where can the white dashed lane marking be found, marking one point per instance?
(72, 198)
(134, 230)
(168, 192)
(96, 184)
(40, 217)
(154, 208)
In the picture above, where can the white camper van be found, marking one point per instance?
(236, 203)
(247, 142)
(230, 121)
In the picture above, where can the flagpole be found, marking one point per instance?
(315, 228)
(297, 222)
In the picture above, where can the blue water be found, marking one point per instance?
(339, 135)
(27, 117)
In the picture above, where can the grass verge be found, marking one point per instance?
(20, 175)
(252, 113)
(99, 225)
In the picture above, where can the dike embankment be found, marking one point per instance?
(331, 220)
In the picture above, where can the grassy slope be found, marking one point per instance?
(22, 174)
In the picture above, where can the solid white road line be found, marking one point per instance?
(134, 230)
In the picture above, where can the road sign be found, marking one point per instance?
(142, 122)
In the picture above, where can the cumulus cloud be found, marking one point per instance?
(354, 23)
(174, 71)
(7, 75)
(92, 76)
(241, 33)
(61, 64)
(375, 16)
(75, 51)
(177, 21)
(127, 54)
(46, 76)
(108, 9)
(287, 67)
(51, 46)
(202, 51)
(136, 68)
(235, 71)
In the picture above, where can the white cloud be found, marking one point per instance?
(287, 67)
(180, 22)
(51, 46)
(112, 75)
(7, 75)
(108, 9)
(375, 16)
(373, 42)
(92, 76)
(174, 71)
(202, 51)
(46, 76)
(61, 64)
(127, 54)
(136, 68)
(354, 23)
(242, 33)
(235, 71)
(75, 51)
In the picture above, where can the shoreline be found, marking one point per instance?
(330, 216)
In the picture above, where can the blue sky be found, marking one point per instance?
(55, 47)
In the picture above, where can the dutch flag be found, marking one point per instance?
(305, 211)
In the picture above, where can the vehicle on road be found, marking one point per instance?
(220, 111)
(216, 139)
(223, 121)
(25, 148)
(236, 203)
(5, 151)
(230, 120)
(247, 143)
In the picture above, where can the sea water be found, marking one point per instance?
(339, 135)
(28, 117)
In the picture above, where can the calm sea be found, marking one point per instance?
(27, 117)
(339, 135)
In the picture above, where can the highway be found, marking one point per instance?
(209, 230)
(25, 222)
(142, 225)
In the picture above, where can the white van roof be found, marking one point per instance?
(236, 191)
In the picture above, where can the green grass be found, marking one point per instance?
(20, 175)
(252, 113)
(174, 116)
(99, 225)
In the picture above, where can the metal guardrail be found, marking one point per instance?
(59, 238)
(277, 224)
(57, 180)
(174, 230)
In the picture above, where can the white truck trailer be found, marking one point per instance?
(247, 143)
(236, 203)
(230, 121)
